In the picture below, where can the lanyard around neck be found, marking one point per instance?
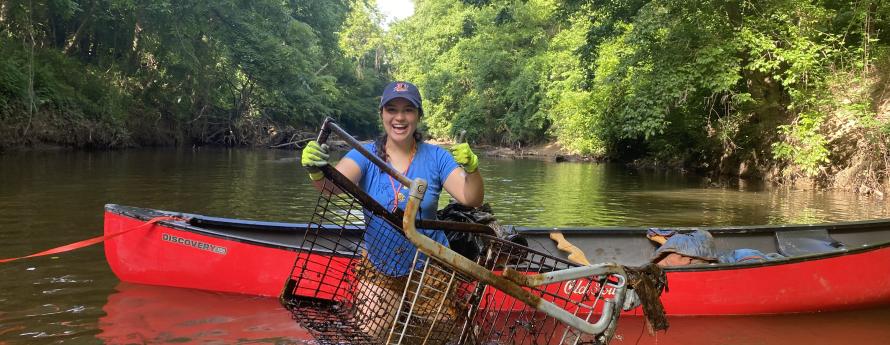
(392, 183)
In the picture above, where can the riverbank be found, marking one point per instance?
(550, 151)
(863, 171)
(858, 177)
(859, 155)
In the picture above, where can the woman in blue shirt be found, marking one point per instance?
(402, 147)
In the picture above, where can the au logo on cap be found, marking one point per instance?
(400, 87)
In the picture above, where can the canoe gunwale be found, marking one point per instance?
(145, 214)
(858, 225)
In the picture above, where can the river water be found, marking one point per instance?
(52, 198)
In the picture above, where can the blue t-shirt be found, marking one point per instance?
(388, 249)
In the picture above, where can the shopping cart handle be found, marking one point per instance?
(330, 126)
(466, 266)
(606, 318)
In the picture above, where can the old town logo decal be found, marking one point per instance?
(195, 244)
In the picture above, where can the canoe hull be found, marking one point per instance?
(163, 255)
(181, 255)
(837, 283)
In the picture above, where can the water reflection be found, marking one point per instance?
(538, 193)
(864, 327)
(141, 314)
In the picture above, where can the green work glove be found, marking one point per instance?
(314, 156)
(465, 157)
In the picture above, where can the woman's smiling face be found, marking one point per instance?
(399, 119)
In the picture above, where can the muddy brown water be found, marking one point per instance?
(52, 198)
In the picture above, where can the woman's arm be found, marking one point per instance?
(350, 169)
(466, 188)
(465, 183)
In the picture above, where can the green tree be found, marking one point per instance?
(120, 72)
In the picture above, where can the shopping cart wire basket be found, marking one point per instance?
(368, 275)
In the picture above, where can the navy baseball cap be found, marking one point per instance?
(402, 89)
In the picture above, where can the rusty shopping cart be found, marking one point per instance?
(360, 278)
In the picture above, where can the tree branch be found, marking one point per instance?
(80, 29)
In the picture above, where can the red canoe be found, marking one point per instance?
(827, 267)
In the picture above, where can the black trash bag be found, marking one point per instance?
(470, 244)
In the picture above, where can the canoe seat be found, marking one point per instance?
(809, 241)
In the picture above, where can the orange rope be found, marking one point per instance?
(91, 241)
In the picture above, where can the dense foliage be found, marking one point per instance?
(780, 88)
(99, 72)
(728, 86)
